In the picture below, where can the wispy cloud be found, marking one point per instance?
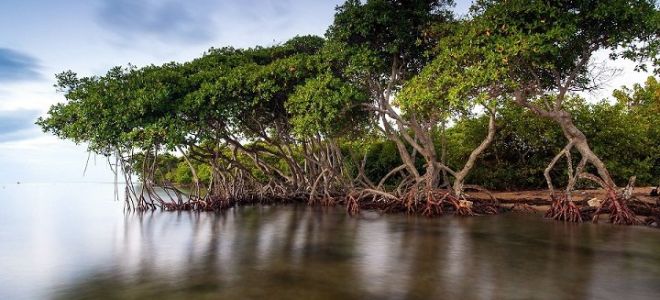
(17, 124)
(166, 20)
(16, 66)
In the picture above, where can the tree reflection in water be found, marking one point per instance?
(309, 253)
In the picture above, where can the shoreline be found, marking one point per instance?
(645, 207)
(511, 197)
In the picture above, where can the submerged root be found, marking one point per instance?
(328, 201)
(562, 209)
(485, 208)
(652, 221)
(200, 204)
(523, 208)
(325, 200)
(352, 204)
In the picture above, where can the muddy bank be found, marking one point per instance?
(542, 197)
(644, 206)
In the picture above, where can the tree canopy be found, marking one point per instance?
(400, 101)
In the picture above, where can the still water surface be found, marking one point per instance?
(72, 241)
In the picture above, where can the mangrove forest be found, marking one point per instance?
(401, 107)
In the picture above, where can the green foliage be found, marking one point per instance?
(181, 175)
(382, 157)
(523, 146)
(269, 100)
(546, 40)
(366, 38)
(227, 91)
(165, 163)
(326, 105)
(461, 76)
(642, 105)
(626, 140)
(386, 25)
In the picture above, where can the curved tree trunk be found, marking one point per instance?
(459, 177)
(192, 171)
(443, 153)
(580, 142)
(432, 177)
(573, 134)
(562, 207)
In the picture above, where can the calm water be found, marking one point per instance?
(74, 242)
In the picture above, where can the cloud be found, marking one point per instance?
(164, 19)
(16, 66)
(264, 10)
(17, 124)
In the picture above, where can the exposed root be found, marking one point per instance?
(464, 208)
(483, 190)
(325, 200)
(433, 207)
(563, 209)
(618, 210)
(410, 201)
(439, 201)
(653, 218)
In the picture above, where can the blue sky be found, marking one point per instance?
(39, 38)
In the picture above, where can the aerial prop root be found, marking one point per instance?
(618, 210)
(437, 199)
(563, 209)
(352, 203)
(433, 207)
(616, 204)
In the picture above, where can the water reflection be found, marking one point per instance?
(300, 252)
(90, 250)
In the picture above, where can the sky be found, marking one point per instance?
(39, 38)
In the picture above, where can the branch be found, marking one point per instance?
(524, 102)
(552, 164)
(586, 55)
(460, 176)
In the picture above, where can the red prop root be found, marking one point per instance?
(563, 209)
(352, 204)
(618, 210)
(433, 207)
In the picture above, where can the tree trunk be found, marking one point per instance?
(443, 153)
(580, 142)
(432, 177)
(459, 177)
(192, 171)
